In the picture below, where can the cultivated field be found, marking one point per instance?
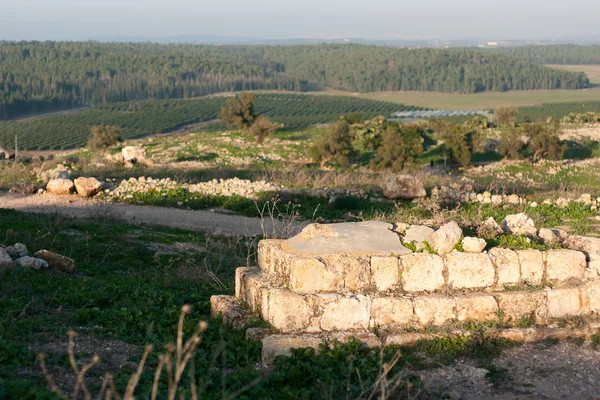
(487, 100)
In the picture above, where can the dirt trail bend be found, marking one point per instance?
(205, 221)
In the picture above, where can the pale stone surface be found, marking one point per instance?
(518, 224)
(268, 250)
(60, 186)
(434, 309)
(346, 314)
(406, 339)
(552, 236)
(589, 245)
(562, 265)
(366, 339)
(87, 187)
(417, 235)
(404, 187)
(422, 272)
(507, 265)
(313, 276)
(288, 311)
(567, 302)
(444, 239)
(253, 290)
(532, 266)
(356, 271)
(476, 307)
(516, 305)
(391, 312)
(5, 259)
(30, 262)
(491, 226)
(593, 294)
(56, 261)
(229, 308)
(373, 238)
(401, 227)
(469, 270)
(281, 345)
(384, 272)
(131, 153)
(473, 244)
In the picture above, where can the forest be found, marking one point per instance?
(557, 54)
(44, 76)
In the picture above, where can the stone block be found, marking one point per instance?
(288, 311)
(268, 250)
(385, 273)
(469, 270)
(476, 307)
(250, 285)
(346, 314)
(434, 309)
(507, 265)
(444, 239)
(589, 245)
(282, 345)
(406, 339)
(391, 312)
(562, 265)
(422, 272)
(230, 310)
(356, 270)
(367, 339)
(593, 294)
(532, 266)
(567, 302)
(517, 305)
(313, 276)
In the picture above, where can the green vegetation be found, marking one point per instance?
(104, 137)
(37, 76)
(556, 54)
(557, 110)
(140, 118)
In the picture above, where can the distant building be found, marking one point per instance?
(492, 44)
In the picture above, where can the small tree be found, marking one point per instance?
(511, 144)
(239, 111)
(506, 116)
(544, 140)
(369, 135)
(334, 146)
(399, 149)
(459, 141)
(104, 136)
(261, 128)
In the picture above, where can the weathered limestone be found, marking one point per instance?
(87, 187)
(347, 313)
(404, 187)
(589, 245)
(385, 273)
(532, 266)
(229, 309)
(287, 311)
(518, 224)
(56, 261)
(524, 304)
(552, 236)
(422, 272)
(567, 302)
(313, 276)
(434, 309)
(476, 307)
(417, 235)
(562, 265)
(391, 311)
(60, 186)
(508, 269)
(469, 270)
(473, 245)
(444, 239)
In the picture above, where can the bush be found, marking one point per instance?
(544, 140)
(511, 144)
(261, 128)
(335, 146)
(506, 116)
(400, 148)
(239, 111)
(104, 136)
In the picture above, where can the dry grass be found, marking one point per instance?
(11, 172)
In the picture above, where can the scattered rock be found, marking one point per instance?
(57, 261)
(417, 235)
(88, 187)
(17, 251)
(23, 188)
(473, 244)
(131, 153)
(444, 239)
(489, 228)
(30, 262)
(552, 236)
(404, 187)
(401, 228)
(519, 224)
(5, 259)
(60, 186)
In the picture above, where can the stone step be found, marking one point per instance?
(292, 312)
(420, 272)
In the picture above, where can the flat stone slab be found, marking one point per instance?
(370, 238)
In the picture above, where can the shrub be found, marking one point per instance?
(511, 144)
(261, 128)
(104, 136)
(239, 111)
(544, 140)
(335, 146)
(506, 116)
(400, 148)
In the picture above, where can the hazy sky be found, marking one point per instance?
(488, 19)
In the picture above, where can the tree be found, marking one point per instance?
(104, 136)
(459, 140)
(544, 140)
(261, 128)
(369, 134)
(335, 146)
(239, 111)
(511, 144)
(506, 116)
(399, 148)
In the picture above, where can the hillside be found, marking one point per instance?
(564, 54)
(42, 76)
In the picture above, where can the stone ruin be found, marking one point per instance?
(358, 280)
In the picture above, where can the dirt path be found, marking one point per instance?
(206, 221)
